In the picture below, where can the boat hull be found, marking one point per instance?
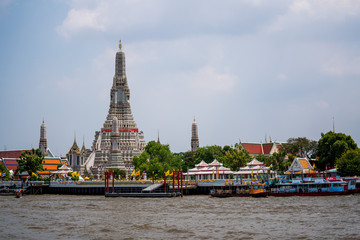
(309, 194)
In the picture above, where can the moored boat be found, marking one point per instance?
(317, 187)
(246, 190)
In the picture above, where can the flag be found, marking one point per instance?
(167, 173)
(213, 173)
(313, 165)
(252, 173)
(3, 174)
(133, 173)
(144, 172)
(270, 166)
(217, 173)
(170, 174)
(137, 173)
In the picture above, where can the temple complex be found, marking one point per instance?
(194, 136)
(77, 157)
(119, 139)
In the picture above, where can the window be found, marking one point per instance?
(77, 160)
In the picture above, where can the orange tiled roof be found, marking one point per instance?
(305, 164)
(52, 161)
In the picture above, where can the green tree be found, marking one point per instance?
(300, 146)
(157, 158)
(332, 146)
(235, 158)
(119, 173)
(3, 169)
(30, 161)
(208, 154)
(349, 163)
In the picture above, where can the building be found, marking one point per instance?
(77, 157)
(194, 136)
(212, 171)
(266, 149)
(43, 140)
(253, 169)
(119, 139)
(300, 166)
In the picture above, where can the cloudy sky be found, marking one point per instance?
(244, 69)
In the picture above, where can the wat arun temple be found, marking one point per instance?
(119, 139)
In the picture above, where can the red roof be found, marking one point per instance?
(11, 164)
(258, 148)
(267, 147)
(11, 154)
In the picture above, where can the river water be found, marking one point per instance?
(190, 217)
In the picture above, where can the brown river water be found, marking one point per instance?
(190, 217)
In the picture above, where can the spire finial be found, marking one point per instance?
(120, 45)
(158, 141)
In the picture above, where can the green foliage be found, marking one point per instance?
(277, 160)
(58, 166)
(300, 146)
(30, 161)
(332, 146)
(232, 158)
(157, 158)
(119, 173)
(235, 158)
(69, 174)
(3, 169)
(208, 154)
(349, 163)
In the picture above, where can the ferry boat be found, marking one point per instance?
(245, 190)
(316, 187)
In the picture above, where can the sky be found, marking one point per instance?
(246, 70)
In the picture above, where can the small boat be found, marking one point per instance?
(248, 190)
(317, 187)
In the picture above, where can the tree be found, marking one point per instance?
(332, 146)
(3, 170)
(208, 154)
(157, 158)
(300, 146)
(349, 163)
(119, 173)
(30, 161)
(235, 158)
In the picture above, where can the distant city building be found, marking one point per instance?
(194, 136)
(43, 140)
(77, 157)
(119, 139)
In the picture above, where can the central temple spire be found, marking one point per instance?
(120, 138)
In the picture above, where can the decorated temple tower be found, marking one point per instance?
(194, 136)
(119, 139)
(43, 140)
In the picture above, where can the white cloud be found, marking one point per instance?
(342, 65)
(207, 82)
(309, 12)
(82, 19)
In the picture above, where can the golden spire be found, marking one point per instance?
(120, 45)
